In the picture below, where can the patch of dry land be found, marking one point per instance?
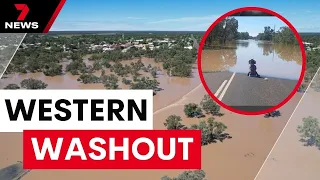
(237, 158)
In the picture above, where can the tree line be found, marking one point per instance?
(313, 58)
(284, 35)
(48, 56)
(224, 32)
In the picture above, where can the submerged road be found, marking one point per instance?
(248, 93)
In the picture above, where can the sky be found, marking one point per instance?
(255, 25)
(179, 15)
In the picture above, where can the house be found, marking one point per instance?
(188, 47)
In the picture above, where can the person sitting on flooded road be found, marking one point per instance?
(253, 69)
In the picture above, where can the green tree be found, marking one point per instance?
(243, 36)
(225, 31)
(230, 30)
(192, 110)
(310, 131)
(267, 35)
(126, 81)
(211, 131)
(110, 81)
(216, 127)
(52, 69)
(76, 67)
(209, 106)
(89, 78)
(145, 83)
(215, 35)
(12, 86)
(173, 122)
(33, 84)
(97, 65)
(285, 36)
(188, 175)
(184, 70)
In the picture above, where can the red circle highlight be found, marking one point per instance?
(299, 39)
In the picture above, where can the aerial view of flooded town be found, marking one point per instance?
(165, 62)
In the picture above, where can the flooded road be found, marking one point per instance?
(273, 60)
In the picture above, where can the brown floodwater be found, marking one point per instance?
(237, 158)
(273, 60)
(289, 158)
(173, 87)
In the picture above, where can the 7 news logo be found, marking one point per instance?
(20, 24)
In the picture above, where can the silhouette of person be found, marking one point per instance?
(252, 61)
(253, 68)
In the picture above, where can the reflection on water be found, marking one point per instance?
(267, 48)
(273, 60)
(218, 60)
(243, 43)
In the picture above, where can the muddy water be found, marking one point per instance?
(289, 155)
(273, 60)
(237, 158)
(216, 60)
(174, 87)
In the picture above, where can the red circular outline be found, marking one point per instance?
(301, 48)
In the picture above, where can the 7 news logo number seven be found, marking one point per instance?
(20, 23)
(24, 11)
